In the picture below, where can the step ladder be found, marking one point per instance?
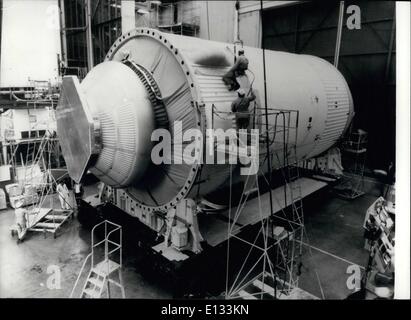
(102, 274)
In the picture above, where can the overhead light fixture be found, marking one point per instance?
(157, 3)
(115, 5)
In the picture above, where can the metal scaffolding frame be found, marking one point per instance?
(33, 137)
(180, 18)
(272, 257)
(42, 216)
(354, 148)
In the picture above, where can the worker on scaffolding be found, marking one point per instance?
(238, 69)
(64, 195)
(21, 220)
(240, 107)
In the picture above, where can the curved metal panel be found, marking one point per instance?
(75, 128)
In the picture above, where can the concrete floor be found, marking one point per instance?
(23, 267)
(334, 226)
(335, 233)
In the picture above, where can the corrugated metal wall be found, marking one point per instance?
(106, 20)
(76, 39)
(106, 28)
(365, 60)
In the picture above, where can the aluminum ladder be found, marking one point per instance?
(102, 273)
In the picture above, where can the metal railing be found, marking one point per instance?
(79, 275)
(284, 122)
(106, 241)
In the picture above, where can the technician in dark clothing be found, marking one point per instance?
(238, 69)
(240, 108)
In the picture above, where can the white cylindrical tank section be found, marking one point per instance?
(305, 83)
(30, 42)
(185, 76)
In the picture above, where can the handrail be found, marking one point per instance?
(93, 245)
(108, 235)
(79, 275)
(274, 111)
(98, 224)
(114, 250)
(106, 240)
(92, 241)
(112, 242)
(98, 243)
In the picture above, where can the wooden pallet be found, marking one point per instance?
(50, 220)
(263, 288)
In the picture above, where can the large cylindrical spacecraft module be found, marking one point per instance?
(154, 82)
